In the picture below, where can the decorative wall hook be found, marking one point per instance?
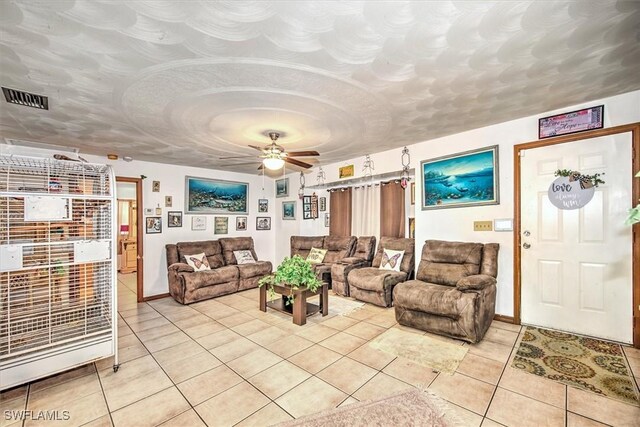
(368, 167)
(406, 161)
(321, 176)
(302, 182)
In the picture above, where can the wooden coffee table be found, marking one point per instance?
(301, 308)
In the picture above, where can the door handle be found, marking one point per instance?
(526, 245)
(527, 233)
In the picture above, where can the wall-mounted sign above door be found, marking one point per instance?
(572, 190)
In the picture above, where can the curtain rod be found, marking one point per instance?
(359, 182)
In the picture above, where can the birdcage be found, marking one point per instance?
(57, 266)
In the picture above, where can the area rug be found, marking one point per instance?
(587, 363)
(340, 306)
(409, 408)
(426, 351)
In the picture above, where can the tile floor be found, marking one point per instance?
(223, 362)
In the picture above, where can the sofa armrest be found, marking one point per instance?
(180, 267)
(475, 283)
(351, 260)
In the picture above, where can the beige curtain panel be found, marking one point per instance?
(366, 211)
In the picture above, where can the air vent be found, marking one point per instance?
(27, 99)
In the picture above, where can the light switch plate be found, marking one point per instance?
(505, 224)
(482, 225)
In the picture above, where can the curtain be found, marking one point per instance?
(391, 210)
(340, 210)
(366, 211)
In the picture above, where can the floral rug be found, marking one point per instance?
(586, 363)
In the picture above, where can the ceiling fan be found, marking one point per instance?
(274, 156)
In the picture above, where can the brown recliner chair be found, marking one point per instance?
(454, 293)
(362, 257)
(374, 285)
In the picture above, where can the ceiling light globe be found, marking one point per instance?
(273, 163)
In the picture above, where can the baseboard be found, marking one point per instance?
(503, 318)
(153, 297)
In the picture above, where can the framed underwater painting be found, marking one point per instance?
(215, 196)
(465, 179)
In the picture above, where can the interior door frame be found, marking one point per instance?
(634, 129)
(139, 235)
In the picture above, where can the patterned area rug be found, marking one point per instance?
(340, 306)
(433, 353)
(409, 408)
(586, 363)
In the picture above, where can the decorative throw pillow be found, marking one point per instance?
(244, 257)
(391, 260)
(199, 262)
(316, 256)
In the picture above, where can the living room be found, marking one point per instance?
(478, 265)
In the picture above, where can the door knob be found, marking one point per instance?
(526, 245)
(527, 233)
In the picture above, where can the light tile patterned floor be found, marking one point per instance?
(224, 362)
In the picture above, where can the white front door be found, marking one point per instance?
(576, 265)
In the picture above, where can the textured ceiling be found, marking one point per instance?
(187, 82)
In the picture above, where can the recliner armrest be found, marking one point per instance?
(181, 267)
(351, 260)
(476, 282)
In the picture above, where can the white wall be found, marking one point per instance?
(172, 183)
(457, 224)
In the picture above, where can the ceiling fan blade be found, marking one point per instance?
(235, 157)
(302, 153)
(261, 166)
(297, 162)
(256, 148)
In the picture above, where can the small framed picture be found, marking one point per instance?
(158, 210)
(241, 223)
(323, 204)
(168, 201)
(174, 219)
(155, 186)
(263, 205)
(288, 210)
(326, 219)
(154, 225)
(148, 211)
(263, 223)
(199, 223)
(413, 193)
(346, 172)
(282, 187)
(306, 215)
(221, 225)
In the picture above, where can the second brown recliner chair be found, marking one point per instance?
(375, 285)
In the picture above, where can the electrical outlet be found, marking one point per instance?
(482, 225)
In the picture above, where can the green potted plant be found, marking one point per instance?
(295, 272)
(634, 213)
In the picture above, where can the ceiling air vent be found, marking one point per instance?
(27, 99)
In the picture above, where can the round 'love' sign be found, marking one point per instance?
(567, 194)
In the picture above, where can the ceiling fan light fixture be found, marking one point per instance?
(273, 163)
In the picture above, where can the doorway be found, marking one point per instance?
(576, 270)
(129, 236)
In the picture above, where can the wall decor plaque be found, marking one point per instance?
(572, 122)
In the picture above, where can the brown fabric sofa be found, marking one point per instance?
(338, 248)
(374, 285)
(225, 277)
(361, 257)
(454, 293)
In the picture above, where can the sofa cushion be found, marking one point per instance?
(198, 262)
(431, 298)
(301, 245)
(398, 244)
(244, 257)
(200, 279)
(230, 244)
(446, 263)
(338, 247)
(211, 249)
(365, 248)
(375, 279)
(316, 255)
(256, 269)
